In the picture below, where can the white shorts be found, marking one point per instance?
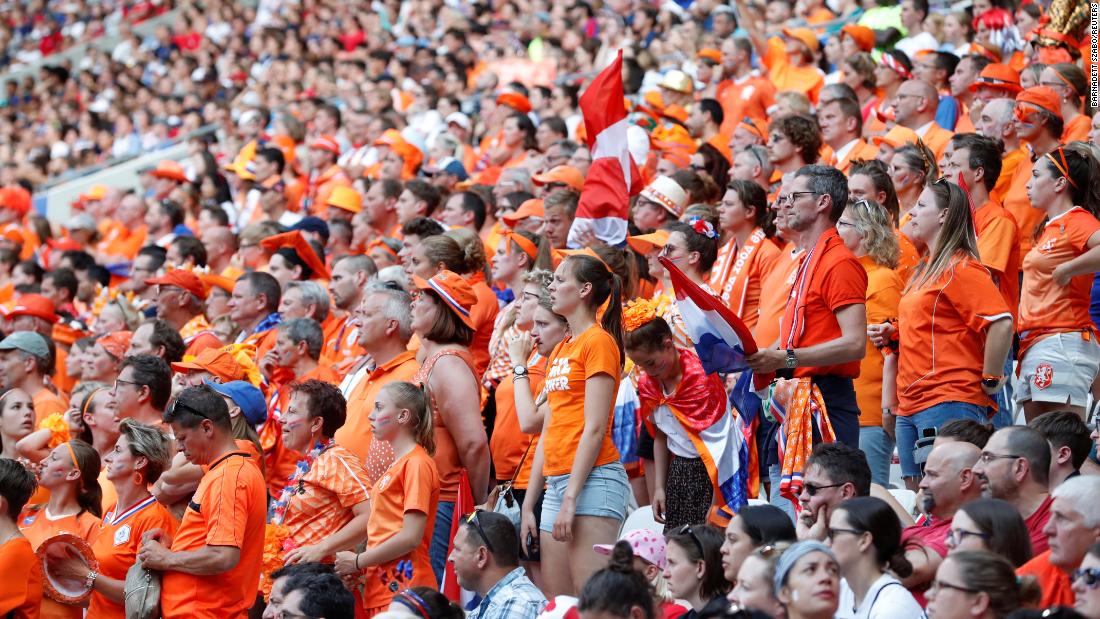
(1059, 369)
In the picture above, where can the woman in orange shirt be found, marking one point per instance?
(138, 458)
(70, 473)
(1069, 81)
(866, 229)
(403, 503)
(442, 319)
(1059, 355)
(748, 256)
(487, 307)
(954, 326)
(586, 485)
(20, 597)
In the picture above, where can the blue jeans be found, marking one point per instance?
(441, 539)
(879, 449)
(840, 402)
(1003, 399)
(910, 428)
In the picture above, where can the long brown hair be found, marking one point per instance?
(606, 288)
(956, 236)
(89, 495)
(413, 399)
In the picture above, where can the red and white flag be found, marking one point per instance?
(613, 176)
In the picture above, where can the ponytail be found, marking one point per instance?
(606, 290)
(618, 588)
(415, 400)
(89, 495)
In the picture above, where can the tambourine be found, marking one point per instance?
(64, 548)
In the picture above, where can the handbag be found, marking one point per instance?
(505, 501)
(142, 593)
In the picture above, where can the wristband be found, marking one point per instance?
(357, 562)
(89, 581)
(996, 377)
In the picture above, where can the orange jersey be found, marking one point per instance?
(37, 526)
(229, 508)
(860, 150)
(279, 461)
(341, 342)
(356, 434)
(21, 590)
(333, 486)
(807, 80)
(484, 314)
(883, 295)
(1077, 129)
(936, 139)
(942, 330)
(999, 251)
(1008, 169)
(1016, 202)
(116, 544)
(509, 442)
(774, 291)
(119, 240)
(1053, 581)
(749, 96)
(573, 362)
(1046, 307)
(411, 485)
(47, 403)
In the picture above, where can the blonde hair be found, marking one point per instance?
(873, 224)
(413, 399)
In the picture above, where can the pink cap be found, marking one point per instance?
(648, 546)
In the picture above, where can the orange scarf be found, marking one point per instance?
(737, 281)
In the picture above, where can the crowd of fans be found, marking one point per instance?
(361, 352)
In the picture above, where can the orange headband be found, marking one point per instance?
(1062, 167)
(378, 243)
(72, 454)
(88, 401)
(523, 242)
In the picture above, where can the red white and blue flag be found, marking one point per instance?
(613, 176)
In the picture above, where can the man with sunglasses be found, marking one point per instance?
(1074, 526)
(485, 556)
(211, 568)
(1037, 118)
(834, 473)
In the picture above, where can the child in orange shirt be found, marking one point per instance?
(403, 502)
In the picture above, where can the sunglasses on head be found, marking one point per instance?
(687, 530)
(471, 519)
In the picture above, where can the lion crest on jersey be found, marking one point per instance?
(1044, 376)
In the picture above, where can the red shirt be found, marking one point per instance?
(934, 538)
(1036, 522)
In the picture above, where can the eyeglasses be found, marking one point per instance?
(686, 530)
(936, 585)
(841, 223)
(792, 196)
(1091, 576)
(834, 530)
(119, 381)
(957, 536)
(988, 457)
(812, 489)
(471, 519)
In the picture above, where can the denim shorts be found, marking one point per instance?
(909, 429)
(605, 494)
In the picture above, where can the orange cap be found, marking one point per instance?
(805, 35)
(755, 126)
(16, 198)
(455, 292)
(514, 100)
(34, 305)
(296, 244)
(116, 344)
(896, 137)
(711, 54)
(675, 112)
(95, 192)
(346, 198)
(286, 144)
(999, 76)
(327, 143)
(646, 243)
(218, 281)
(863, 36)
(214, 360)
(561, 174)
(530, 208)
(180, 278)
(390, 137)
(171, 170)
(1042, 97)
(241, 169)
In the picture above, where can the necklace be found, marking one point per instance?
(296, 482)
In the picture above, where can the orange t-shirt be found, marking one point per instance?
(37, 527)
(861, 150)
(1057, 590)
(1077, 129)
(45, 404)
(1044, 305)
(341, 342)
(121, 241)
(884, 287)
(999, 251)
(936, 139)
(110, 497)
(838, 280)
(807, 80)
(942, 337)
(775, 289)
(724, 275)
(509, 443)
(279, 461)
(750, 97)
(1016, 202)
(411, 485)
(20, 598)
(333, 486)
(910, 256)
(356, 434)
(1008, 170)
(116, 545)
(229, 509)
(574, 361)
(484, 314)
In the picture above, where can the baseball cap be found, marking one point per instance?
(34, 305)
(455, 292)
(28, 342)
(170, 170)
(246, 396)
(116, 344)
(180, 278)
(565, 174)
(448, 165)
(647, 546)
(459, 119)
(327, 143)
(530, 208)
(346, 198)
(1042, 97)
(805, 36)
(998, 76)
(863, 36)
(645, 243)
(214, 360)
(516, 101)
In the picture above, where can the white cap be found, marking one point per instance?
(459, 119)
(668, 193)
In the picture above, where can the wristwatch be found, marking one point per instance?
(991, 382)
(792, 361)
(519, 371)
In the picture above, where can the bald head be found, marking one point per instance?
(220, 234)
(915, 103)
(956, 456)
(948, 478)
(996, 119)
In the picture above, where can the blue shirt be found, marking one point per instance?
(513, 597)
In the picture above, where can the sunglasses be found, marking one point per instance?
(1090, 575)
(191, 409)
(686, 530)
(472, 520)
(812, 489)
